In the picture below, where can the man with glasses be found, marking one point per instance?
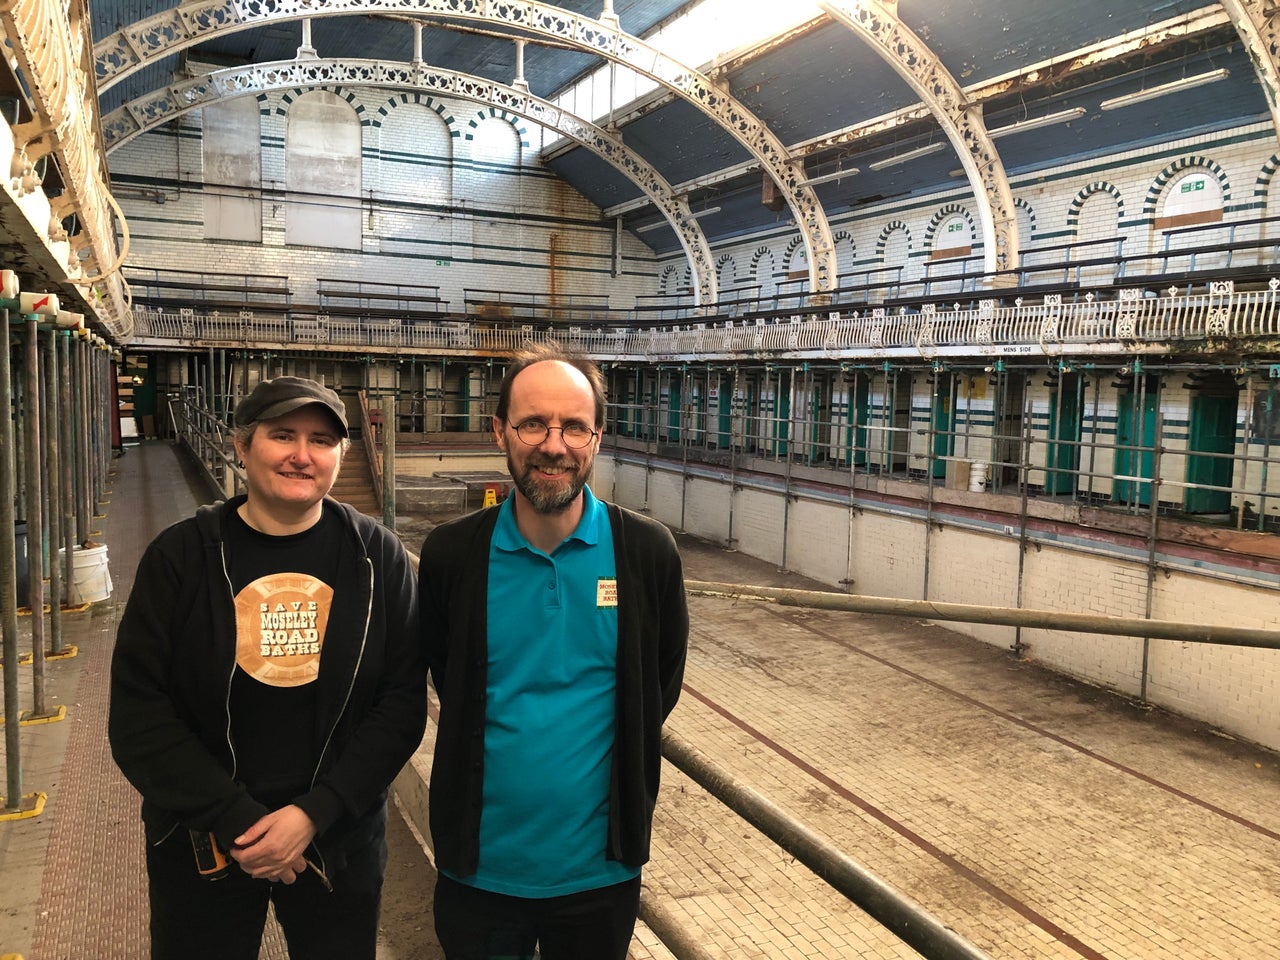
(556, 630)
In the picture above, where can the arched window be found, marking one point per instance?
(322, 172)
(416, 150)
(1193, 197)
(232, 156)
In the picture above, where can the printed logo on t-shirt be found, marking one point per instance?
(606, 592)
(280, 624)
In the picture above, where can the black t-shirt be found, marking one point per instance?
(283, 594)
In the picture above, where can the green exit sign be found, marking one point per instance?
(442, 263)
(1191, 186)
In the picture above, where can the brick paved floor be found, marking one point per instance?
(1038, 817)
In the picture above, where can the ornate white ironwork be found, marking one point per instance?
(1259, 27)
(51, 54)
(170, 31)
(875, 334)
(143, 114)
(960, 119)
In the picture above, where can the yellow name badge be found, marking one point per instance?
(606, 593)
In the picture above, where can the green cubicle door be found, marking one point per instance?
(1064, 436)
(944, 426)
(1212, 431)
(1135, 444)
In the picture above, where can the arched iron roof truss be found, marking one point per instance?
(1258, 23)
(133, 47)
(876, 21)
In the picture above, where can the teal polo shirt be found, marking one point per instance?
(549, 732)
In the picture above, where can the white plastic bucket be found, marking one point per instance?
(978, 476)
(90, 576)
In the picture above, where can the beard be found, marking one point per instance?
(547, 498)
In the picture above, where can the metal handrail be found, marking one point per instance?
(371, 448)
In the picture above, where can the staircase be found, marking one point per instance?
(355, 480)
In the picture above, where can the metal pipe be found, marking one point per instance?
(1024, 482)
(389, 424)
(35, 515)
(666, 927)
(930, 457)
(84, 511)
(108, 412)
(1007, 616)
(1266, 456)
(730, 541)
(1246, 445)
(54, 483)
(9, 580)
(1093, 437)
(1153, 530)
(789, 445)
(67, 420)
(851, 414)
(686, 438)
(885, 904)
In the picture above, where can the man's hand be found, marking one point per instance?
(273, 848)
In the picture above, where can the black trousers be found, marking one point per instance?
(476, 924)
(193, 918)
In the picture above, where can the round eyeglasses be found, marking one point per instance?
(574, 434)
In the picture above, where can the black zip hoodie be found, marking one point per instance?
(173, 662)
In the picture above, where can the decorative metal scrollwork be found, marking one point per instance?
(170, 31)
(875, 333)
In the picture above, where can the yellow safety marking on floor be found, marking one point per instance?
(76, 608)
(27, 719)
(24, 659)
(32, 805)
(66, 653)
(26, 611)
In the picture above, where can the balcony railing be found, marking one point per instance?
(1135, 321)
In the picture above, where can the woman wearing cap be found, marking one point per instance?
(266, 687)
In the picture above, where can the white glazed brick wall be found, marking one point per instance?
(666, 497)
(628, 485)
(888, 557)
(818, 540)
(968, 566)
(1076, 583)
(486, 238)
(707, 513)
(1235, 688)
(757, 524)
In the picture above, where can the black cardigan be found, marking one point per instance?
(653, 631)
(172, 667)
